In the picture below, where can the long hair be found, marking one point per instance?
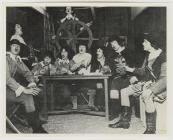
(50, 55)
(81, 44)
(157, 40)
(104, 49)
(68, 50)
(116, 38)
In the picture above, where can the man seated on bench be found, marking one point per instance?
(152, 85)
(16, 92)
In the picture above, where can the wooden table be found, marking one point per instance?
(49, 79)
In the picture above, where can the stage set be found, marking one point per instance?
(86, 70)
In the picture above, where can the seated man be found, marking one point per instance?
(80, 64)
(100, 66)
(65, 96)
(81, 61)
(43, 68)
(16, 93)
(152, 85)
(119, 56)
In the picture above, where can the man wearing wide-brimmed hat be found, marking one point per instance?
(16, 91)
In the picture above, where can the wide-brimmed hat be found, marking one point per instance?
(15, 41)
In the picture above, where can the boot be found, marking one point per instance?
(38, 101)
(114, 109)
(99, 100)
(35, 123)
(41, 116)
(74, 102)
(127, 111)
(124, 119)
(150, 123)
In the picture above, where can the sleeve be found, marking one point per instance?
(110, 62)
(106, 69)
(89, 59)
(94, 65)
(52, 69)
(26, 72)
(129, 57)
(160, 85)
(72, 66)
(141, 71)
(58, 68)
(36, 69)
(11, 82)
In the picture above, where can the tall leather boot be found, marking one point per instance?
(38, 101)
(125, 118)
(150, 123)
(35, 123)
(114, 109)
(100, 99)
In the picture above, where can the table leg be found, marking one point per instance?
(106, 99)
(45, 98)
(52, 96)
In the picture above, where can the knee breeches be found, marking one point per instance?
(24, 99)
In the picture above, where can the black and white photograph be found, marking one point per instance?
(93, 69)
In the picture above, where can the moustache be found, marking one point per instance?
(16, 50)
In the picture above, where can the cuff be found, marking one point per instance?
(19, 91)
(32, 84)
(148, 92)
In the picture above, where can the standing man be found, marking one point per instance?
(16, 92)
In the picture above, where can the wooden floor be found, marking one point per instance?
(88, 124)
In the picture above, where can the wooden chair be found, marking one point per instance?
(11, 115)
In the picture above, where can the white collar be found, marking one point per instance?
(120, 50)
(101, 59)
(13, 57)
(63, 60)
(154, 54)
(42, 64)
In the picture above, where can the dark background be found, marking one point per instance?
(124, 21)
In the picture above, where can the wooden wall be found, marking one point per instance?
(151, 20)
(31, 21)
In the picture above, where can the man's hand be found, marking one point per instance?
(43, 71)
(32, 91)
(36, 79)
(83, 63)
(64, 70)
(75, 66)
(133, 80)
(32, 85)
(147, 94)
(127, 68)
